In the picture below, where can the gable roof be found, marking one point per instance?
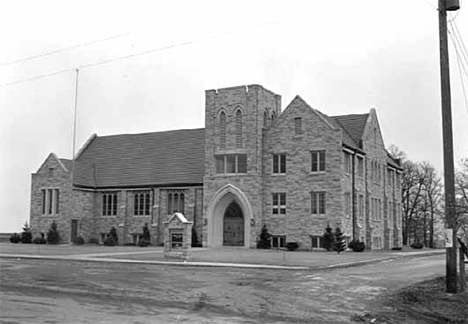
(66, 163)
(354, 125)
(139, 160)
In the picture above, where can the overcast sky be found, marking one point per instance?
(341, 56)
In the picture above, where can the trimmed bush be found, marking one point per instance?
(79, 241)
(15, 238)
(357, 246)
(53, 236)
(340, 244)
(417, 245)
(396, 248)
(93, 240)
(39, 240)
(143, 242)
(113, 234)
(292, 246)
(328, 239)
(109, 241)
(26, 236)
(264, 242)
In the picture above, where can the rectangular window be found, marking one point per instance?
(279, 163)
(141, 203)
(318, 161)
(175, 202)
(316, 241)
(348, 164)
(389, 214)
(231, 163)
(279, 203)
(397, 180)
(50, 201)
(318, 202)
(109, 204)
(360, 166)
(176, 239)
(347, 202)
(278, 241)
(298, 125)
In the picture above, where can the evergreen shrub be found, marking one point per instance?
(15, 238)
(26, 235)
(264, 242)
(79, 241)
(417, 245)
(53, 236)
(39, 240)
(328, 239)
(339, 245)
(357, 246)
(292, 246)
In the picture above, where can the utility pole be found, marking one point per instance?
(449, 174)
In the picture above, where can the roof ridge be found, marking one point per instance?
(344, 129)
(156, 132)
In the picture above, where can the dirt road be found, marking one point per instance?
(35, 291)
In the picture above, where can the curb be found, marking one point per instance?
(218, 264)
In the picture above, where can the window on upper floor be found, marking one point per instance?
(279, 203)
(222, 129)
(238, 128)
(318, 161)
(273, 117)
(318, 200)
(109, 204)
(175, 202)
(360, 166)
(51, 172)
(141, 203)
(298, 126)
(361, 208)
(348, 163)
(279, 163)
(50, 201)
(397, 181)
(231, 163)
(265, 118)
(347, 204)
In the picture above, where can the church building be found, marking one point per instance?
(296, 171)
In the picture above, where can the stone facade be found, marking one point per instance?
(248, 140)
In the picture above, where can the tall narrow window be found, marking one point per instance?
(109, 204)
(317, 202)
(141, 204)
(222, 129)
(360, 166)
(279, 163)
(298, 125)
(175, 202)
(44, 201)
(56, 192)
(348, 164)
(347, 202)
(279, 203)
(239, 128)
(318, 161)
(265, 119)
(273, 117)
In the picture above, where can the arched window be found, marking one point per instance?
(222, 129)
(238, 128)
(273, 117)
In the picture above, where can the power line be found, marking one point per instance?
(140, 53)
(460, 41)
(455, 45)
(65, 49)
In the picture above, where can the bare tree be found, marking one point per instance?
(461, 187)
(432, 196)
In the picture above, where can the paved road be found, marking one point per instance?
(38, 291)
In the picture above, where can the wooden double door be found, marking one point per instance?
(233, 226)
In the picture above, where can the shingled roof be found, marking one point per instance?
(353, 125)
(139, 160)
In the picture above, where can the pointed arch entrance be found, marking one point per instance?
(233, 226)
(229, 217)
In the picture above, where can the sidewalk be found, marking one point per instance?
(216, 257)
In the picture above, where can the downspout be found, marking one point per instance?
(353, 196)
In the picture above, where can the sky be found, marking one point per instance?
(341, 57)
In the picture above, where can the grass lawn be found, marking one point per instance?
(221, 254)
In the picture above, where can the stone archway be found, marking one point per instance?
(215, 214)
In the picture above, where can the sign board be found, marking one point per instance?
(448, 237)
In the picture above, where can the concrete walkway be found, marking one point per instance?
(97, 257)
